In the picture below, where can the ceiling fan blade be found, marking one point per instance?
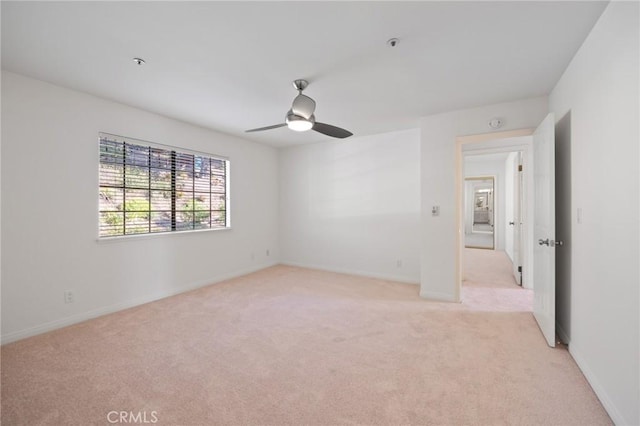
(303, 106)
(259, 129)
(329, 130)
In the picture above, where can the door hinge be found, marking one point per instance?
(521, 277)
(520, 167)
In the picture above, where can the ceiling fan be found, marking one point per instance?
(300, 117)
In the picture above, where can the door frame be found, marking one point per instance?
(489, 143)
(518, 209)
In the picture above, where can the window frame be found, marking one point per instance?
(175, 151)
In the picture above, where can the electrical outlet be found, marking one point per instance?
(253, 256)
(398, 263)
(68, 296)
(268, 253)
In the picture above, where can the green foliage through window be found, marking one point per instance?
(150, 189)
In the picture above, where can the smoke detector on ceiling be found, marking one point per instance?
(495, 123)
(139, 61)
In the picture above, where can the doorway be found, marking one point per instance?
(479, 209)
(538, 260)
(510, 155)
(492, 201)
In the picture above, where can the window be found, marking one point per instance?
(149, 188)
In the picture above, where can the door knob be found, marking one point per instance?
(550, 243)
(511, 223)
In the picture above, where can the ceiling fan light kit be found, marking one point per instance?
(299, 124)
(300, 117)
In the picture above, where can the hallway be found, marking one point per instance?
(488, 283)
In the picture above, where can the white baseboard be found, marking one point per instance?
(386, 277)
(440, 297)
(599, 390)
(77, 318)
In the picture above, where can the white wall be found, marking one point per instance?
(353, 205)
(600, 89)
(49, 211)
(1, 272)
(438, 184)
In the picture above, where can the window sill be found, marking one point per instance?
(123, 238)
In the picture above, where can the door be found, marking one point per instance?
(516, 223)
(544, 228)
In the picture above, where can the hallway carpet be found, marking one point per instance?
(293, 346)
(489, 285)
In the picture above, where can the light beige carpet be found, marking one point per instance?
(489, 285)
(292, 346)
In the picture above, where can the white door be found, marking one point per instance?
(516, 223)
(544, 228)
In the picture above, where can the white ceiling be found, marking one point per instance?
(228, 66)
